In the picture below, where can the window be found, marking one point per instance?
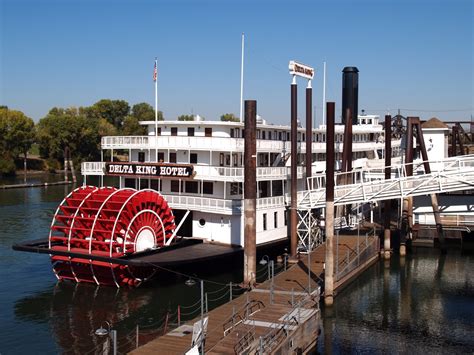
(202, 222)
(159, 131)
(232, 134)
(193, 158)
(174, 131)
(208, 187)
(144, 184)
(208, 132)
(191, 187)
(236, 188)
(190, 131)
(172, 157)
(275, 219)
(155, 184)
(174, 185)
(279, 136)
(264, 221)
(141, 157)
(221, 159)
(161, 156)
(130, 183)
(263, 135)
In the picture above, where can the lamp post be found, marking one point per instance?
(108, 331)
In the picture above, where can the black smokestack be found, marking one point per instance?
(350, 93)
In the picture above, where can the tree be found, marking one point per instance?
(144, 112)
(114, 111)
(186, 118)
(132, 127)
(229, 117)
(17, 134)
(70, 128)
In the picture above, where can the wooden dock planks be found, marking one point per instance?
(292, 281)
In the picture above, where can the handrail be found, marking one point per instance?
(246, 313)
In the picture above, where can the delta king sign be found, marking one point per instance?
(150, 170)
(301, 70)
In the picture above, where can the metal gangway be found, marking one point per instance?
(369, 186)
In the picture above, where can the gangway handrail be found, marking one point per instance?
(452, 174)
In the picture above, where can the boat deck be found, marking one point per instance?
(183, 252)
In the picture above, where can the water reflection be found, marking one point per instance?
(421, 303)
(74, 311)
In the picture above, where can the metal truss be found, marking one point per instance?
(453, 174)
(308, 231)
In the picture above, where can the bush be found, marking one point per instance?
(52, 165)
(7, 167)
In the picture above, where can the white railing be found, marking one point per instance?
(211, 172)
(452, 174)
(93, 168)
(220, 144)
(270, 202)
(204, 204)
(125, 142)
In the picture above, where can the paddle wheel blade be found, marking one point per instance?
(112, 223)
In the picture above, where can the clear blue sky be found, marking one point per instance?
(412, 54)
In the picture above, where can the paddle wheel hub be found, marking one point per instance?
(112, 223)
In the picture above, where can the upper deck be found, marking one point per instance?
(228, 136)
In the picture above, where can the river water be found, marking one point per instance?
(420, 304)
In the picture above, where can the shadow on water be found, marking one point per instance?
(72, 312)
(422, 303)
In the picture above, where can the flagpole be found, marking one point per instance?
(155, 76)
(242, 78)
(324, 94)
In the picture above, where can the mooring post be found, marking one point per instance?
(250, 193)
(329, 269)
(388, 173)
(137, 334)
(202, 317)
(294, 176)
(66, 150)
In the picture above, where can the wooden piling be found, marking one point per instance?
(329, 218)
(388, 172)
(294, 175)
(250, 193)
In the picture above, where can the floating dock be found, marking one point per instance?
(280, 315)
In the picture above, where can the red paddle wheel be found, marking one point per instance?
(111, 223)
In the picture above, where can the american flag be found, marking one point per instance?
(155, 72)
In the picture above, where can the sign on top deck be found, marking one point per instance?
(158, 170)
(301, 70)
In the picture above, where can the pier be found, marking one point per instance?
(278, 315)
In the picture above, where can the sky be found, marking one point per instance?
(413, 55)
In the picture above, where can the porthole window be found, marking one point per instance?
(202, 222)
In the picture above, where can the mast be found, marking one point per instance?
(242, 77)
(155, 78)
(324, 93)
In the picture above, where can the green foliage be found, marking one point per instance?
(186, 118)
(131, 127)
(34, 150)
(17, 133)
(7, 166)
(63, 128)
(114, 111)
(144, 112)
(229, 117)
